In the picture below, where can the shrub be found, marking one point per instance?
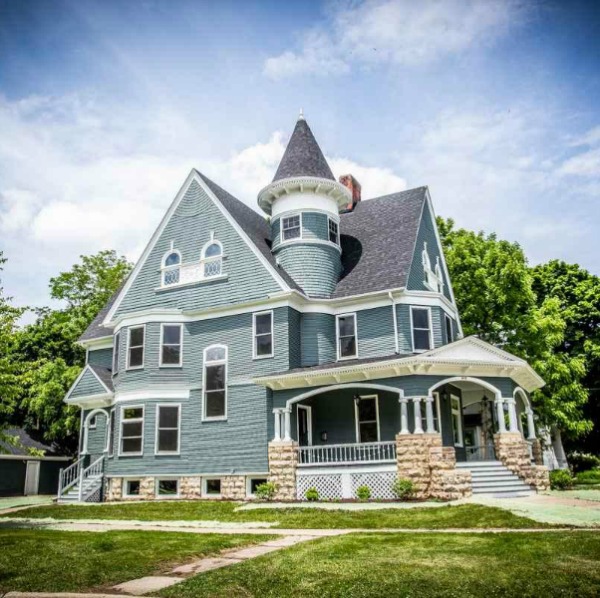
(403, 489)
(363, 493)
(561, 479)
(582, 461)
(265, 491)
(312, 494)
(590, 477)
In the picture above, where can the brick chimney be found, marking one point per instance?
(351, 183)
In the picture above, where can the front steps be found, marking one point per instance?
(91, 485)
(491, 478)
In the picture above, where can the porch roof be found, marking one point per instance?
(470, 357)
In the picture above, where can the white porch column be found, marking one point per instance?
(512, 414)
(500, 413)
(418, 420)
(429, 415)
(288, 425)
(530, 424)
(404, 416)
(277, 414)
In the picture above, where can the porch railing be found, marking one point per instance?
(69, 477)
(91, 479)
(349, 454)
(480, 453)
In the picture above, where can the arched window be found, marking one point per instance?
(215, 383)
(212, 257)
(171, 268)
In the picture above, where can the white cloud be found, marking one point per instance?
(401, 32)
(586, 164)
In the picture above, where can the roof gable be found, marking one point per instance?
(473, 350)
(92, 381)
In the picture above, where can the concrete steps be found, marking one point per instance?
(491, 478)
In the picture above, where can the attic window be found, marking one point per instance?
(171, 268)
(434, 280)
(334, 231)
(291, 228)
(212, 257)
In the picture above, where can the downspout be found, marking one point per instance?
(394, 315)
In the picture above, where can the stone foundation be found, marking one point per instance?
(431, 467)
(233, 487)
(513, 452)
(283, 461)
(113, 489)
(190, 488)
(538, 454)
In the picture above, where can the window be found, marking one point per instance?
(263, 334)
(456, 420)
(132, 430)
(367, 419)
(92, 423)
(449, 328)
(252, 484)
(347, 346)
(291, 228)
(135, 354)
(212, 256)
(334, 234)
(171, 345)
(421, 328)
(115, 363)
(434, 280)
(212, 487)
(171, 268)
(131, 488)
(215, 382)
(167, 488)
(167, 429)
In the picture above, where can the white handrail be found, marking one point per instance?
(364, 452)
(68, 477)
(95, 469)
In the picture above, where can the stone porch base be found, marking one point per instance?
(513, 452)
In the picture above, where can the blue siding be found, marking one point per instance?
(97, 436)
(375, 332)
(318, 339)
(315, 225)
(102, 357)
(88, 385)
(295, 336)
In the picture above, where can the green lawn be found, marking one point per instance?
(360, 566)
(459, 516)
(56, 561)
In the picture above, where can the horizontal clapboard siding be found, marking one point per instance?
(102, 357)
(314, 226)
(88, 385)
(97, 436)
(318, 339)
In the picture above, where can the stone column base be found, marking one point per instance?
(513, 452)
(283, 462)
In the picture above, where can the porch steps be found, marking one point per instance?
(491, 478)
(89, 485)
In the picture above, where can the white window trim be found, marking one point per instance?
(126, 494)
(356, 414)
(292, 215)
(249, 480)
(156, 429)
(204, 260)
(254, 316)
(412, 329)
(225, 361)
(448, 320)
(160, 347)
(308, 409)
(164, 268)
(121, 420)
(136, 367)
(92, 426)
(337, 336)
(461, 440)
(337, 241)
(164, 478)
(116, 353)
(205, 493)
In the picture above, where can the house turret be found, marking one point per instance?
(304, 201)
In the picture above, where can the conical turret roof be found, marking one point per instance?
(303, 156)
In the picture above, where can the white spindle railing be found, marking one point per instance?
(68, 477)
(366, 452)
(94, 470)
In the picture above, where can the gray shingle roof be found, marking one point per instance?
(26, 442)
(95, 329)
(303, 156)
(105, 374)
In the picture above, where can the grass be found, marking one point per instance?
(57, 561)
(447, 516)
(372, 565)
(588, 478)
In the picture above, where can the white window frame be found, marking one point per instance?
(438, 410)
(337, 336)
(449, 323)
(225, 361)
(308, 410)
(356, 415)
(121, 420)
(281, 234)
(412, 328)
(136, 367)
(164, 268)
(205, 260)
(126, 494)
(116, 353)
(156, 429)
(205, 493)
(160, 347)
(167, 496)
(337, 231)
(461, 440)
(249, 481)
(254, 334)
(92, 426)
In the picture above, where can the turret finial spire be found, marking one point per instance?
(301, 115)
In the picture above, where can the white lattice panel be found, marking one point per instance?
(334, 486)
(328, 485)
(379, 483)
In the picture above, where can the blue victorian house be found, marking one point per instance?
(315, 345)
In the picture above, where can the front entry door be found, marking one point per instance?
(32, 478)
(304, 426)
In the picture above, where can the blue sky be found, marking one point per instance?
(105, 106)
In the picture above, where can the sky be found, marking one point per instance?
(105, 106)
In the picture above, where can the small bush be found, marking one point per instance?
(561, 479)
(582, 461)
(363, 493)
(265, 491)
(312, 494)
(403, 489)
(589, 477)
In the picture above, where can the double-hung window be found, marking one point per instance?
(421, 329)
(115, 363)
(449, 328)
(167, 429)
(334, 231)
(263, 334)
(215, 382)
(347, 344)
(291, 227)
(367, 419)
(132, 430)
(171, 339)
(135, 348)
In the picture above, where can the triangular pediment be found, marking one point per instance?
(472, 350)
(88, 384)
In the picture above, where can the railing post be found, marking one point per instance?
(60, 482)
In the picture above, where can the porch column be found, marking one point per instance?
(429, 415)
(500, 413)
(404, 416)
(512, 414)
(277, 414)
(418, 420)
(287, 423)
(530, 424)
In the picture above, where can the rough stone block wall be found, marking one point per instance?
(190, 488)
(113, 489)
(233, 487)
(513, 452)
(538, 454)
(283, 462)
